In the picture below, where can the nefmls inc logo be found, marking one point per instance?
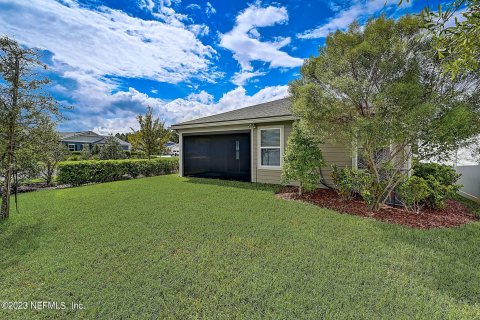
(51, 305)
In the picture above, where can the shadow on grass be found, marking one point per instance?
(235, 184)
(17, 241)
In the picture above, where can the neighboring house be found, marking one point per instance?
(76, 140)
(172, 148)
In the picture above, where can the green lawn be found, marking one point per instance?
(167, 247)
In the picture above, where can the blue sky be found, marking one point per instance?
(109, 60)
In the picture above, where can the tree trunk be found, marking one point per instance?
(7, 183)
(49, 174)
(300, 189)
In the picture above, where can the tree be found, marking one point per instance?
(151, 137)
(112, 149)
(382, 91)
(303, 160)
(86, 153)
(49, 151)
(455, 29)
(173, 136)
(23, 105)
(123, 136)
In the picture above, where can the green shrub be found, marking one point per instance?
(302, 161)
(446, 175)
(413, 193)
(351, 183)
(441, 180)
(82, 172)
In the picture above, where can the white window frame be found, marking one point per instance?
(74, 147)
(259, 147)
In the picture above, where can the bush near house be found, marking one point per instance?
(83, 172)
(430, 186)
(441, 180)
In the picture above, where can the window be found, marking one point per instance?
(270, 148)
(379, 156)
(71, 147)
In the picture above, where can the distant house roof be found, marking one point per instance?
(272, 109)
(86, 137)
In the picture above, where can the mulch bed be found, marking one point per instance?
(454, 214)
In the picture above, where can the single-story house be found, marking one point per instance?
(246, 144)
(172, 148)
(76, 140)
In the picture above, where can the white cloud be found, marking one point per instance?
(240, 78)
(111, 113)
(202, 97)
(194, 6)
(360, 9)
(108, 42)
(243, 39)
(199, 30)
(186, 109)
(210, 10)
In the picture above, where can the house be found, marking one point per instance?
(172, 148)
(76, 140)
(246, 144)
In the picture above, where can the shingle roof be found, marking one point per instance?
(86, 137)
(276, 108)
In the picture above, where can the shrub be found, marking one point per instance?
(111, 150)
(446, 175)
(302, 161)
(351, 183)
(413, 193)
(441, 180)
(82, 172)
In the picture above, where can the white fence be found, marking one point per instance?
(471, 181)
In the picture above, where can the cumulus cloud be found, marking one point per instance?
(180, 110)
(240, 78)
(361, 9)
(108, 42)
(244, 40)
(110, 113)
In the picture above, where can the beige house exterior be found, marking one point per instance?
(257, 124)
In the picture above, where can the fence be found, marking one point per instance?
(471, 181)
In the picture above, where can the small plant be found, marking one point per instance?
(85, 154)
(413, 193)
(112, 150)
(302, 161)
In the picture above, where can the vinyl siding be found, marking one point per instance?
(332, 153)
(268, 175)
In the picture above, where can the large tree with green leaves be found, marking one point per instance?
(455, 31)
(23, 105)
(381, 90)
(151, 137)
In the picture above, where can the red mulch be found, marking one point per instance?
(453, 215)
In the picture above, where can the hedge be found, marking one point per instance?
(95, 171)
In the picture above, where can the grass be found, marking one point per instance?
(168, 247)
